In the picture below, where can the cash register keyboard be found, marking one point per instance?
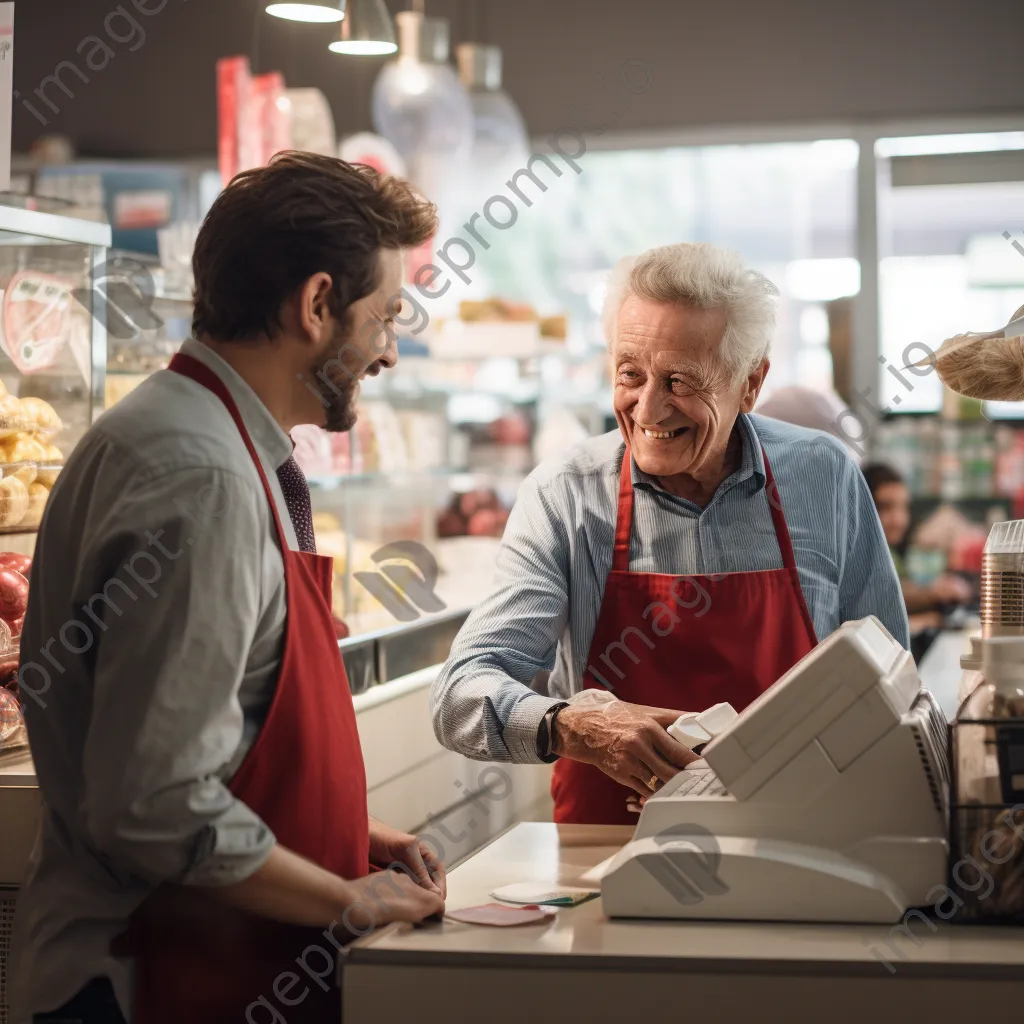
(699, 782)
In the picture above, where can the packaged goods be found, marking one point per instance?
(21, 455)
(36, 319)
(14, 501)
(12, 416)
(477, 513)
(11, 722)
(47, 475)
(41, 416)
(37, 495)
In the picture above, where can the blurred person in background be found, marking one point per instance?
(806, 407)
(927, 604)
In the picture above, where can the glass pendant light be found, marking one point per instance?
(367, 30)
(500, 143)
(321, 11)
(422, 109)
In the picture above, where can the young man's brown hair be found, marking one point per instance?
(274, 227)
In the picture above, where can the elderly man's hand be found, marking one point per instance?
(628, 742)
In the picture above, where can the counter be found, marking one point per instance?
(413, 783)
(940, 667)
(584, 967)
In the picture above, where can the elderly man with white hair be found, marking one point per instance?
(689, 558)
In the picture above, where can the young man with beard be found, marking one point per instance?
(204, 801)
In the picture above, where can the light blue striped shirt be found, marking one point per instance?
(557, 551)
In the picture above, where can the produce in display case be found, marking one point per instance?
(14, 577)
(29, 462)
(52, 368)
(52, 354)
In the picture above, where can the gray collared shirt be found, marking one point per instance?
(492, 695)
(150, 655)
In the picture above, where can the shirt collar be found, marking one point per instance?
(265, 431)
(751, 461)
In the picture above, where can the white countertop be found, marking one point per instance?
(553, 854)
(940, 667)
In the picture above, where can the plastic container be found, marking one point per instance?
(24, 491)
(1002, 581)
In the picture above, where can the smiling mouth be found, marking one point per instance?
(663, 435)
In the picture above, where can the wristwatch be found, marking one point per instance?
(546, 734)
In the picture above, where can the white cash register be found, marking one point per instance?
(825, 800)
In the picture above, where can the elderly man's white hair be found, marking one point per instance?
(703, 277)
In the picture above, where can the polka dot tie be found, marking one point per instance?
(296, 497)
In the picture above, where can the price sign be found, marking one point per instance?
(35, 316)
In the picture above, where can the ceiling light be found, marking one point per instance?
(318, 11)
(367, 30)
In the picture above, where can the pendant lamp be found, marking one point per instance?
(367, 30)
(421, 107)
(321, 11)
(500, 142)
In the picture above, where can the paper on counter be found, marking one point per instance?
(595, 874)
(544, 895)
(496, 915)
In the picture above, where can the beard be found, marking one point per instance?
(337, 384)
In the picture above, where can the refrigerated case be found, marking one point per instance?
(52, 354)
(52, 366)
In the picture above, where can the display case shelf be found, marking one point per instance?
(458, 478)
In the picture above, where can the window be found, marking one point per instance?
(788, 207)
(946, 205)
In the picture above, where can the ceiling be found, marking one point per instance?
(150, 91)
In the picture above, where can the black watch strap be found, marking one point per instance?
(545, 735)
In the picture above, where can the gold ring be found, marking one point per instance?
(652, 783)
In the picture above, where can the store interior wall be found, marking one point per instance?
(728, 62)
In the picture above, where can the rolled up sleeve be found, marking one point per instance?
(482, 704)
(175, 622)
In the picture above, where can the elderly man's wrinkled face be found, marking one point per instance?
(675, 400)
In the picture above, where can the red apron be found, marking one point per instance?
(197, 961)
(683, 643)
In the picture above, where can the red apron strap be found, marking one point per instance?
(778, 517)
(624, 518)
(786, 546)
(189, 366)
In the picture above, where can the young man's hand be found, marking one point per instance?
(387, 896)
(390, 846)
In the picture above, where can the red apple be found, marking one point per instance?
(13, 595)
(19, 563)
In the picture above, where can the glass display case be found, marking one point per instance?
(53, 350)
(52, 367)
